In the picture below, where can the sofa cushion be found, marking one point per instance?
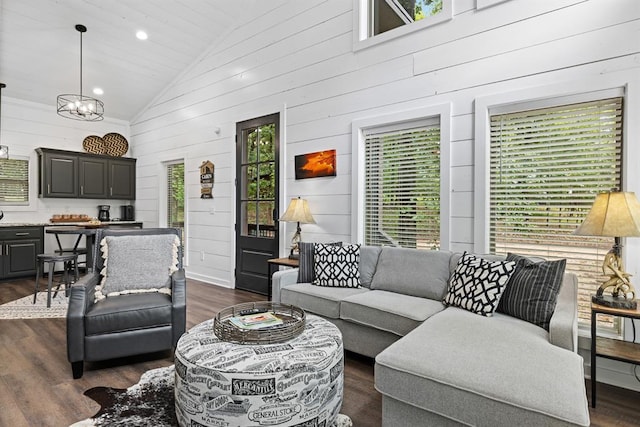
(484, 371)
(420, 273)
(306, 272)
(128, 312)
(388, 311)
(137, 264)
(337, 266)
(368, 262)
(532, 291)
(324, 301)
(477, 284)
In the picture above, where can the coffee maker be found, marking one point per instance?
(103, 212)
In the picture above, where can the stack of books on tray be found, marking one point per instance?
(256, 321)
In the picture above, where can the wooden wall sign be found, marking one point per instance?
(206, 180)
(314, 165)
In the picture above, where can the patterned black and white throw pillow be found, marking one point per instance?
(477, 284)
(337, 266)
(306, 271)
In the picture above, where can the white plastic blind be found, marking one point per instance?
(547, 166)
(402, 185)
(14, 182)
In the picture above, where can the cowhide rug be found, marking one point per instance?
(150, 402)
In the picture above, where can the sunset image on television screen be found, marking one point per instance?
(312, 165)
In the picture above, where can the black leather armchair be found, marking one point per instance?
(123, 325)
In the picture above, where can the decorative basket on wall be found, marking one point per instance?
(112, 144)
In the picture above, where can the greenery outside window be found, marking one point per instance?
(402, 185)
(175, 198)
(14, 182)
(546, 167)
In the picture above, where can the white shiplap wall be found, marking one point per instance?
(300, 60)
(27, 126)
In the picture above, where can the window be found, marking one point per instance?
(402, 185)
(546, 167)
(14, 182)
(175, 195)
(376, 18)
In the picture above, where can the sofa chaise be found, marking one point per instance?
(438, 364)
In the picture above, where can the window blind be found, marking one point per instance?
(402, 185)
(546, 167)
(14, 182)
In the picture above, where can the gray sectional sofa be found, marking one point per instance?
(440, 366)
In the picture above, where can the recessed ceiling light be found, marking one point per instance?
(141, 35)
(98, 91)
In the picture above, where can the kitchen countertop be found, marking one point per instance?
(56, 224)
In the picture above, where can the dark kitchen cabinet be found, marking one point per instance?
(122, 179)
(19, 247)
(88, 176)
(58, 174)
(93, 178)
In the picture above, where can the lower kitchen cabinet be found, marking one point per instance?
(19, 247)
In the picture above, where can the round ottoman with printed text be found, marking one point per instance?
(295, 382)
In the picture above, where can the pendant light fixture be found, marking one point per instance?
(80, 107)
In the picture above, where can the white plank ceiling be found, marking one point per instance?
(40, 48)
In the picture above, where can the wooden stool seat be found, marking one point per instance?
(70, 261)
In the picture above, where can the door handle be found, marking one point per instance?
(275, 215)
(22, 234)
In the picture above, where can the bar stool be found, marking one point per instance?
(70, 261)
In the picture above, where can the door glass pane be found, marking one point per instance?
(266, 142)
(250, 176)
(266, 181)
(249, 215)
(250, 150)
(266, 226)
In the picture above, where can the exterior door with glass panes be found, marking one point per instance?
(257, 146)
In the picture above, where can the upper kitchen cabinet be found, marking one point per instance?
(89, 176)
(122, 179)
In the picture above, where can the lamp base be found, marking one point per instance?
(615, 302)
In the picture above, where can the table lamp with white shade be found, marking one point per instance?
(298, 212)
(614, 214)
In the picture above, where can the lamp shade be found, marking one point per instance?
(298, 211)
(614, 214)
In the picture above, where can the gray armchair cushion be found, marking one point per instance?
(128, 312)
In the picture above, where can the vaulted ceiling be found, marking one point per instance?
(40, 47)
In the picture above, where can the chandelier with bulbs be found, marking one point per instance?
(80, 107)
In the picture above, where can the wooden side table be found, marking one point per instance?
(274, 265)
(623, 351)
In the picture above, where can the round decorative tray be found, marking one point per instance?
(293, 321)
(115, 144)
(94, 144)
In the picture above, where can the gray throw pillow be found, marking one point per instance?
(477, 284)
(306, 272)
(532, 291)
(136, 264)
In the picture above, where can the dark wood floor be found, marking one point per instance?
(37, 389)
